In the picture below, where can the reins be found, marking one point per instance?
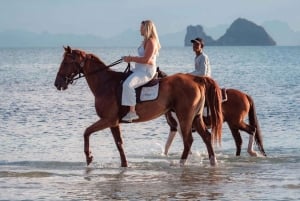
(115, 63)
(80, 74)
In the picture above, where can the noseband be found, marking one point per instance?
(71, 78)
(79, 72)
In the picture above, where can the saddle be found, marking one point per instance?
(149, 91)
(146, 92)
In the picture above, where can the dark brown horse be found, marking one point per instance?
(104, 84)
(235, 109)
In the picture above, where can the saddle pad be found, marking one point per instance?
(149, 93)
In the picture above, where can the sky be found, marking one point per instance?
(107, 18)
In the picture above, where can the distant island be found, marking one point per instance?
(241, 32)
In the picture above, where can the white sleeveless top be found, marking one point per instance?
(150, 69)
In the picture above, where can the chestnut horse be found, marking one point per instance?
(235, 109)
(105, 83)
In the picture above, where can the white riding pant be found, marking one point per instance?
(142, 73)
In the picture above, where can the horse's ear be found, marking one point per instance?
(67, 49)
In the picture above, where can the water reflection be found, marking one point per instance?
(140, 183)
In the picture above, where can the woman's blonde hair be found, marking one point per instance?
(150, 32)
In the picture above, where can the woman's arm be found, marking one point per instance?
(150, 48)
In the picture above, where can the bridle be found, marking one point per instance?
(70, 79)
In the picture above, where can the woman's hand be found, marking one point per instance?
(127, 59)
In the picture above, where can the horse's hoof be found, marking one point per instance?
(213, 161)
(124, 164)
(253, 153)
(182, 162)
(89, 159)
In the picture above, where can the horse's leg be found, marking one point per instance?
(187, 143)
(169, 141)
(186, 133)
(99, 125)
(250, 150)
(251, 131)
(174, 127)
(171, 120)
(237, 139)
(206, 137)
(119, 143)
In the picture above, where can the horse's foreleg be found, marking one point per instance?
(206, 137)
(119, 143)
(87, 151)
(99, 125)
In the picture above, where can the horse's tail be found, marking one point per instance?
(213, 98)
(253, 121)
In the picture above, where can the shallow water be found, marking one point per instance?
(41, 155)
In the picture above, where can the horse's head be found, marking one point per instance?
(71, 65)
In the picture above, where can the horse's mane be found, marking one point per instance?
(115, 75)
(85, 54)
(96, 58)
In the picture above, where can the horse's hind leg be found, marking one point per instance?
(206, 137)
(237, 139)
(174, 127)
(119, 143)
(169, 141)
(172, 122)
(251, 131)
(250, 149)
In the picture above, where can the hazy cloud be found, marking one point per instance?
(110, 17)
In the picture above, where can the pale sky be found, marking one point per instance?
(109, 17)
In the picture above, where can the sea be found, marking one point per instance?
(41, 132)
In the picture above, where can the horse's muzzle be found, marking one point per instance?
(60, 83)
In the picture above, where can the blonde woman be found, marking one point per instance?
(145, 67)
